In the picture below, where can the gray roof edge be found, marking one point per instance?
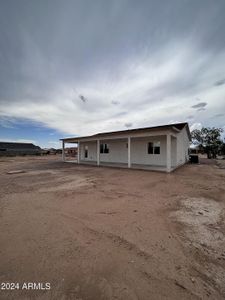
(178, 126)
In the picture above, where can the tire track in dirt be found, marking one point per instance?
(136, 255)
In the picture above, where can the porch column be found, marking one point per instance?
(128, 149)
(63, 151)
(98, 153)
(78, 152)
(168, 153)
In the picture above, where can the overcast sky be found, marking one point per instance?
(80, 67)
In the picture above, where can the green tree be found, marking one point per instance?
(209, 139)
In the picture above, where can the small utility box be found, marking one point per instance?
(194, 159)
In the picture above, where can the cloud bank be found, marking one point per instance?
(83, 67)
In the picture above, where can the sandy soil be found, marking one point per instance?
(106, 233)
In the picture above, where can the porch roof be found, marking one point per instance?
(125, 133)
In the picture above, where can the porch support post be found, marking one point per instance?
(63, 151)
(128, 149)
(168, 152)
(98, 153)
(78, 152)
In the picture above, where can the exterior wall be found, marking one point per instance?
(139, 151)
(182, 147)
(92, 151)
(173, 152)
(118, 151)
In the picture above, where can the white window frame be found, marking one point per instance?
(104, 148)
(155, 145)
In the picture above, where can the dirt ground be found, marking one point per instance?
(107, 233)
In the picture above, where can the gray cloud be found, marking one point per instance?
(115, 102)
(82, 98)
(128, 125)
(219, 82)
(218, 115)
(146, 56)
(119, 114)
(190, 117)
(200, 105)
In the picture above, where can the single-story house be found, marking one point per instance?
(14, 148)
(162, 148)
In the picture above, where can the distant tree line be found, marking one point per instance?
(209, 140)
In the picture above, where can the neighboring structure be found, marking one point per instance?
(72, 151)
(51, 151)
(11, 149)
(161, 148)
(196, 149)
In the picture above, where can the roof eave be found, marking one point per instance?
(129, 132)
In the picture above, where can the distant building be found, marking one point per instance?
(71, 151)
(196, 149)
(11, 149)
(51, 151)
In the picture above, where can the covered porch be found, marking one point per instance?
(150, 151)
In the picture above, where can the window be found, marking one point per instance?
(104, 148)
(86, 151)
(154, 148)
(150, 148)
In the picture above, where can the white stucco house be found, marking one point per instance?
(162, 148)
